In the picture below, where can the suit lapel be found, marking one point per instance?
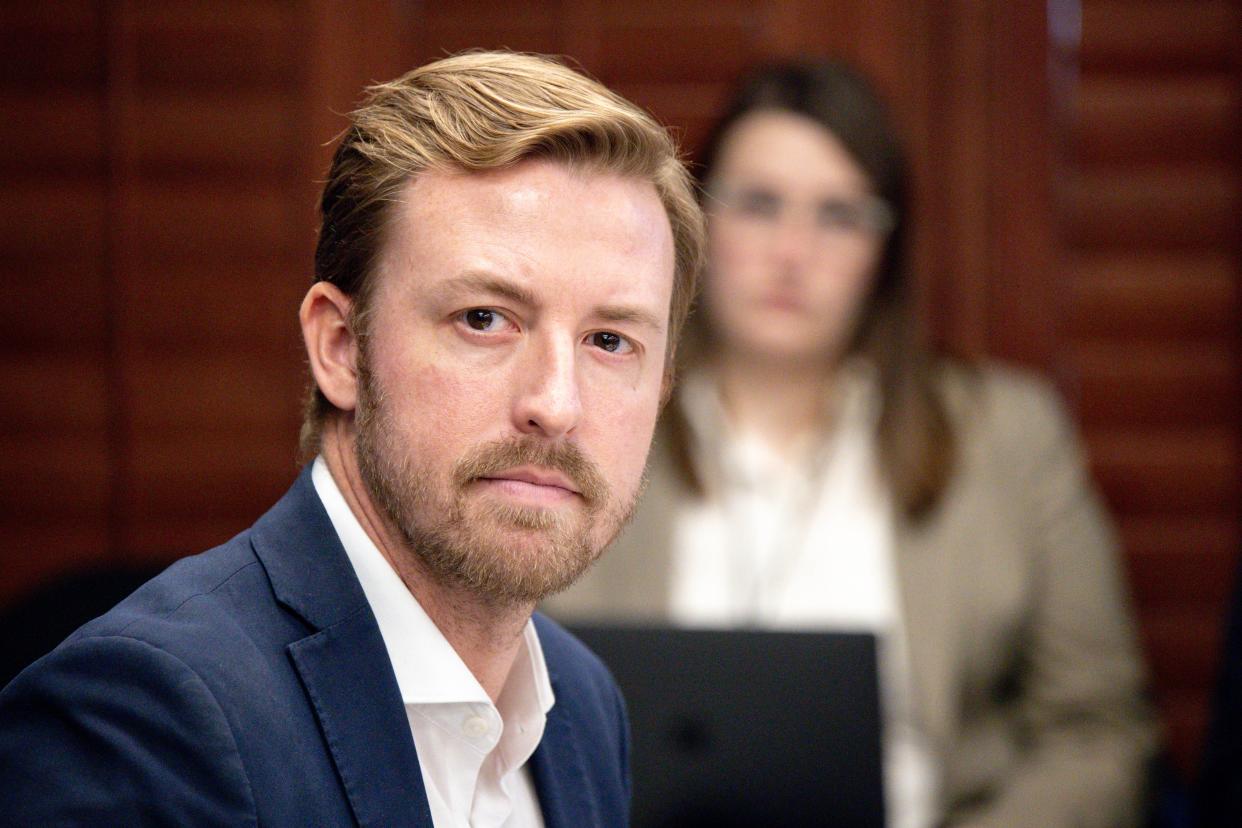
(343, 664)
(929, 604)
(560, 772)
(349, 680)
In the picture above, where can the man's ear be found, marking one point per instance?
(331, 347)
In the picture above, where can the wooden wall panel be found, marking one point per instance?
(1185, 296)
(54, 326)
(1152, 209)
(1138, 120)
(211, 153)
(1146, 35)
(1171, 206)
(156, 234)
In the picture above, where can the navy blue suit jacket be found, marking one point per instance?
(250, 685)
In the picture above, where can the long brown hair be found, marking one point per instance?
(915, 440)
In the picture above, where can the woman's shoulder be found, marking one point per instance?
(999, 400)
(1009, 423)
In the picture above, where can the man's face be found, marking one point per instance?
(511, 371)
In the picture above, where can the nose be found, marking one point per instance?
(793, 242)
(547, 402)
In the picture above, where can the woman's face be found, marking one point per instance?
(795, 235)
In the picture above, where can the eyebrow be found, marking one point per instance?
(636, 316)
(488, 283)
(482, 282)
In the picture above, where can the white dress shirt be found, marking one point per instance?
(472, 752)
(805, 545)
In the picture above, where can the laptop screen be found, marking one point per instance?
(748, 727)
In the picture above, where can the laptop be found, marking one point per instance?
(733, 728)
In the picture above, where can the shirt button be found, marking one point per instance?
(474, 726)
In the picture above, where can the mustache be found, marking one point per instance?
(490, 458)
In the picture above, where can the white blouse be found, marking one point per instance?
(804, 545)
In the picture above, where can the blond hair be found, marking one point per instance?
(480, 111)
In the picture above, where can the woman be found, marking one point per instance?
(817, 469)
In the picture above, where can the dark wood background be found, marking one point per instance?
(1079, 198)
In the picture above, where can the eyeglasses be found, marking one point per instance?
(831, 217)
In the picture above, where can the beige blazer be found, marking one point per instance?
(1026, 675)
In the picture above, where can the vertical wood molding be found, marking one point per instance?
(581, 32)
(960, 207)
(1235, 131)
(119, 158)
(1027, 274)
(350, 45)
(983, 181)
(824, 28)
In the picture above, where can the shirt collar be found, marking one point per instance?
(427, 668)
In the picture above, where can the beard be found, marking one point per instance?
(502, 553)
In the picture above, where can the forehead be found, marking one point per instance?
(784, 148)
(536, 221)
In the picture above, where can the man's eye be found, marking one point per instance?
(611, 342)
(483, 319)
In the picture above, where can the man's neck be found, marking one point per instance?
(487, 637)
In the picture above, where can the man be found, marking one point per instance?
(507, 253)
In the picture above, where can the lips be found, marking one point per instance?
(535, 477)
(533, 470)
(785, 302)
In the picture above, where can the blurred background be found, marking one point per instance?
(1078, 198)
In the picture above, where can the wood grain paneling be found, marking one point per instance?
(69, 393)
(39, 548)
(689, 109)
(66, 474)
(221, 135)
(1146, 384)
(1122, 119)
(248, 393)
(217, 222)
(1144, 36)
(212, 254)
(1178, 563)
(52, 304)
(1168, 471)
(53, 218)
(656, 53)
(1155, 297)
(157, 242)
(53, 321)
(1152, 535)
(54, 499)
(1184, 642)
(216, 305)
(180, 476)
(1176, 205)
(53, 47)
(59, 134)
(182, 47)
(1152, 201)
